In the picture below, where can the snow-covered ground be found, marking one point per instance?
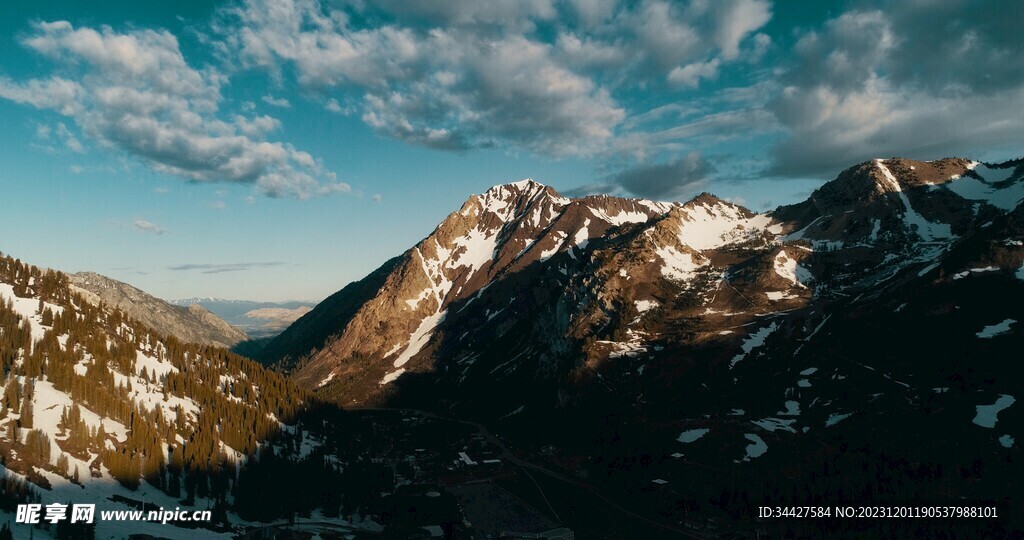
(706, 226)
(756, 448)
(1005, 197)
(752, 342)
(692, 435)
(678, 265)
(788, 268)
(987, 415)
(996, 329)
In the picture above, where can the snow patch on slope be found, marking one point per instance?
(474, 249)
(710, 227)
(582, 237)
(26, 308)
(419, 338)
(692, 435)
(756, 448)
(677, 265)
(790, 270)
(1005, 198)
(994, 330)
(987, 415)
(645, 305)
(754, 341)
(835, 418)
(927, 230)
(622, 218)
(391, 377)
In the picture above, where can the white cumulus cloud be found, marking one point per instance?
(136, 93)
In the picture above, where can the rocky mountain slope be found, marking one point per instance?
(872, 327)
(191, 324)
(540, 274)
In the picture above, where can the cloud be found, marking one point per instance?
(677, 129)
(220, 268)
(276, 102)
(57, 137)
(433, 13)
(921, 79)
(653, 38)
(691, 74)
(736, 20)
(135, 92)
(453, 86)
(149, 227)
(665, 181)
(69, 139)
(333, 106)
(672, 180)
(594, 188)
(462, 74)
(377, 198)
(592, 13)
(55, 93)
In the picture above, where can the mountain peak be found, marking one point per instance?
(525, 183)
(518, 188)
(707, 199)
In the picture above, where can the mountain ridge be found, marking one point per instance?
(191, 324)
(880, 216)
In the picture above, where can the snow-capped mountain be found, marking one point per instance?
(523, 288)
(861, 344)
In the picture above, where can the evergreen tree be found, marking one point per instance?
(63, 465)
(12, 398)
(27, 418)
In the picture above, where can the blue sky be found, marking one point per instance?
(276, 150)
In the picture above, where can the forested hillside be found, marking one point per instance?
(90, 396)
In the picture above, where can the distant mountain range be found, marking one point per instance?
(259, 319)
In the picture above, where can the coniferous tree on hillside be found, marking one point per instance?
(27, 418)
(217, 403)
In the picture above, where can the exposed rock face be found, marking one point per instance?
(508, 230)
(526, 298)
(192, 324)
